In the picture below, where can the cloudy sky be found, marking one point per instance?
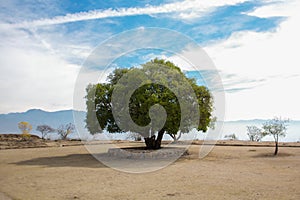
(253, 44)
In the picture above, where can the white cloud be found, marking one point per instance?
(187, 9)
(35, 70)
(32, 74)
(30, 78)
(272, 56)
(275, 9)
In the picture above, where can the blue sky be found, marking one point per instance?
(45, 42)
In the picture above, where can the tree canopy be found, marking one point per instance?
(25, 127)
(154, 98)
(276, 127)
(44, 129)
(254, 133)
(65, 130)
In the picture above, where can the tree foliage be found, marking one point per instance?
(65, 130)
(134, 136)
(44, 129)
(254, 133)
(91, 120)
(145, 99)
(276, 127)
(25, 127)
(231, 136)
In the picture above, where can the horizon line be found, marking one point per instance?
(229, 120)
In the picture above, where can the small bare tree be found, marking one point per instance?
(65, 130)
(231, 137)
(134, 136)
(44, 129)
(277, 128)
(254, 133)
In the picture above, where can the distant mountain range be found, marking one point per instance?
(9, 122)
(247, 121)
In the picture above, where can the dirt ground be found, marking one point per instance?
(228, 172)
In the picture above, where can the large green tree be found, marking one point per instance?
(161, 85)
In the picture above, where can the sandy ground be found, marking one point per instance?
(228, 172)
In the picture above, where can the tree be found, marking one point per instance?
(154, 108)
(91, 118)
(25, 127)
(134, 136)
(231, 137)
(254, 133)
(65, 130)
(205, 108)
(44, 129)
(176, 136)
(275, 127)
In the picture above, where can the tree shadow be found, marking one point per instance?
(72, 160)
(271, 155)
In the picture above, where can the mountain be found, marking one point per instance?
(248, 121)
(9, 122)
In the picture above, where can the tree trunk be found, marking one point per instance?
(172, 136)
(276, 148)
(159, 139)
(175, 137)
(150, 142)
(154, 143)
(179, 136)
(276, 144)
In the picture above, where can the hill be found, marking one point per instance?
(9, 122)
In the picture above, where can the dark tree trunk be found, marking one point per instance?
(179, 136)
(276, 144)
(159, 139)
(172, 136)
(175, 137)
(150, 142)
(276, 148)
(154, 143)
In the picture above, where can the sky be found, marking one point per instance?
(253, 45)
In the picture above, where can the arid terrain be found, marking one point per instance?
(228, 172)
